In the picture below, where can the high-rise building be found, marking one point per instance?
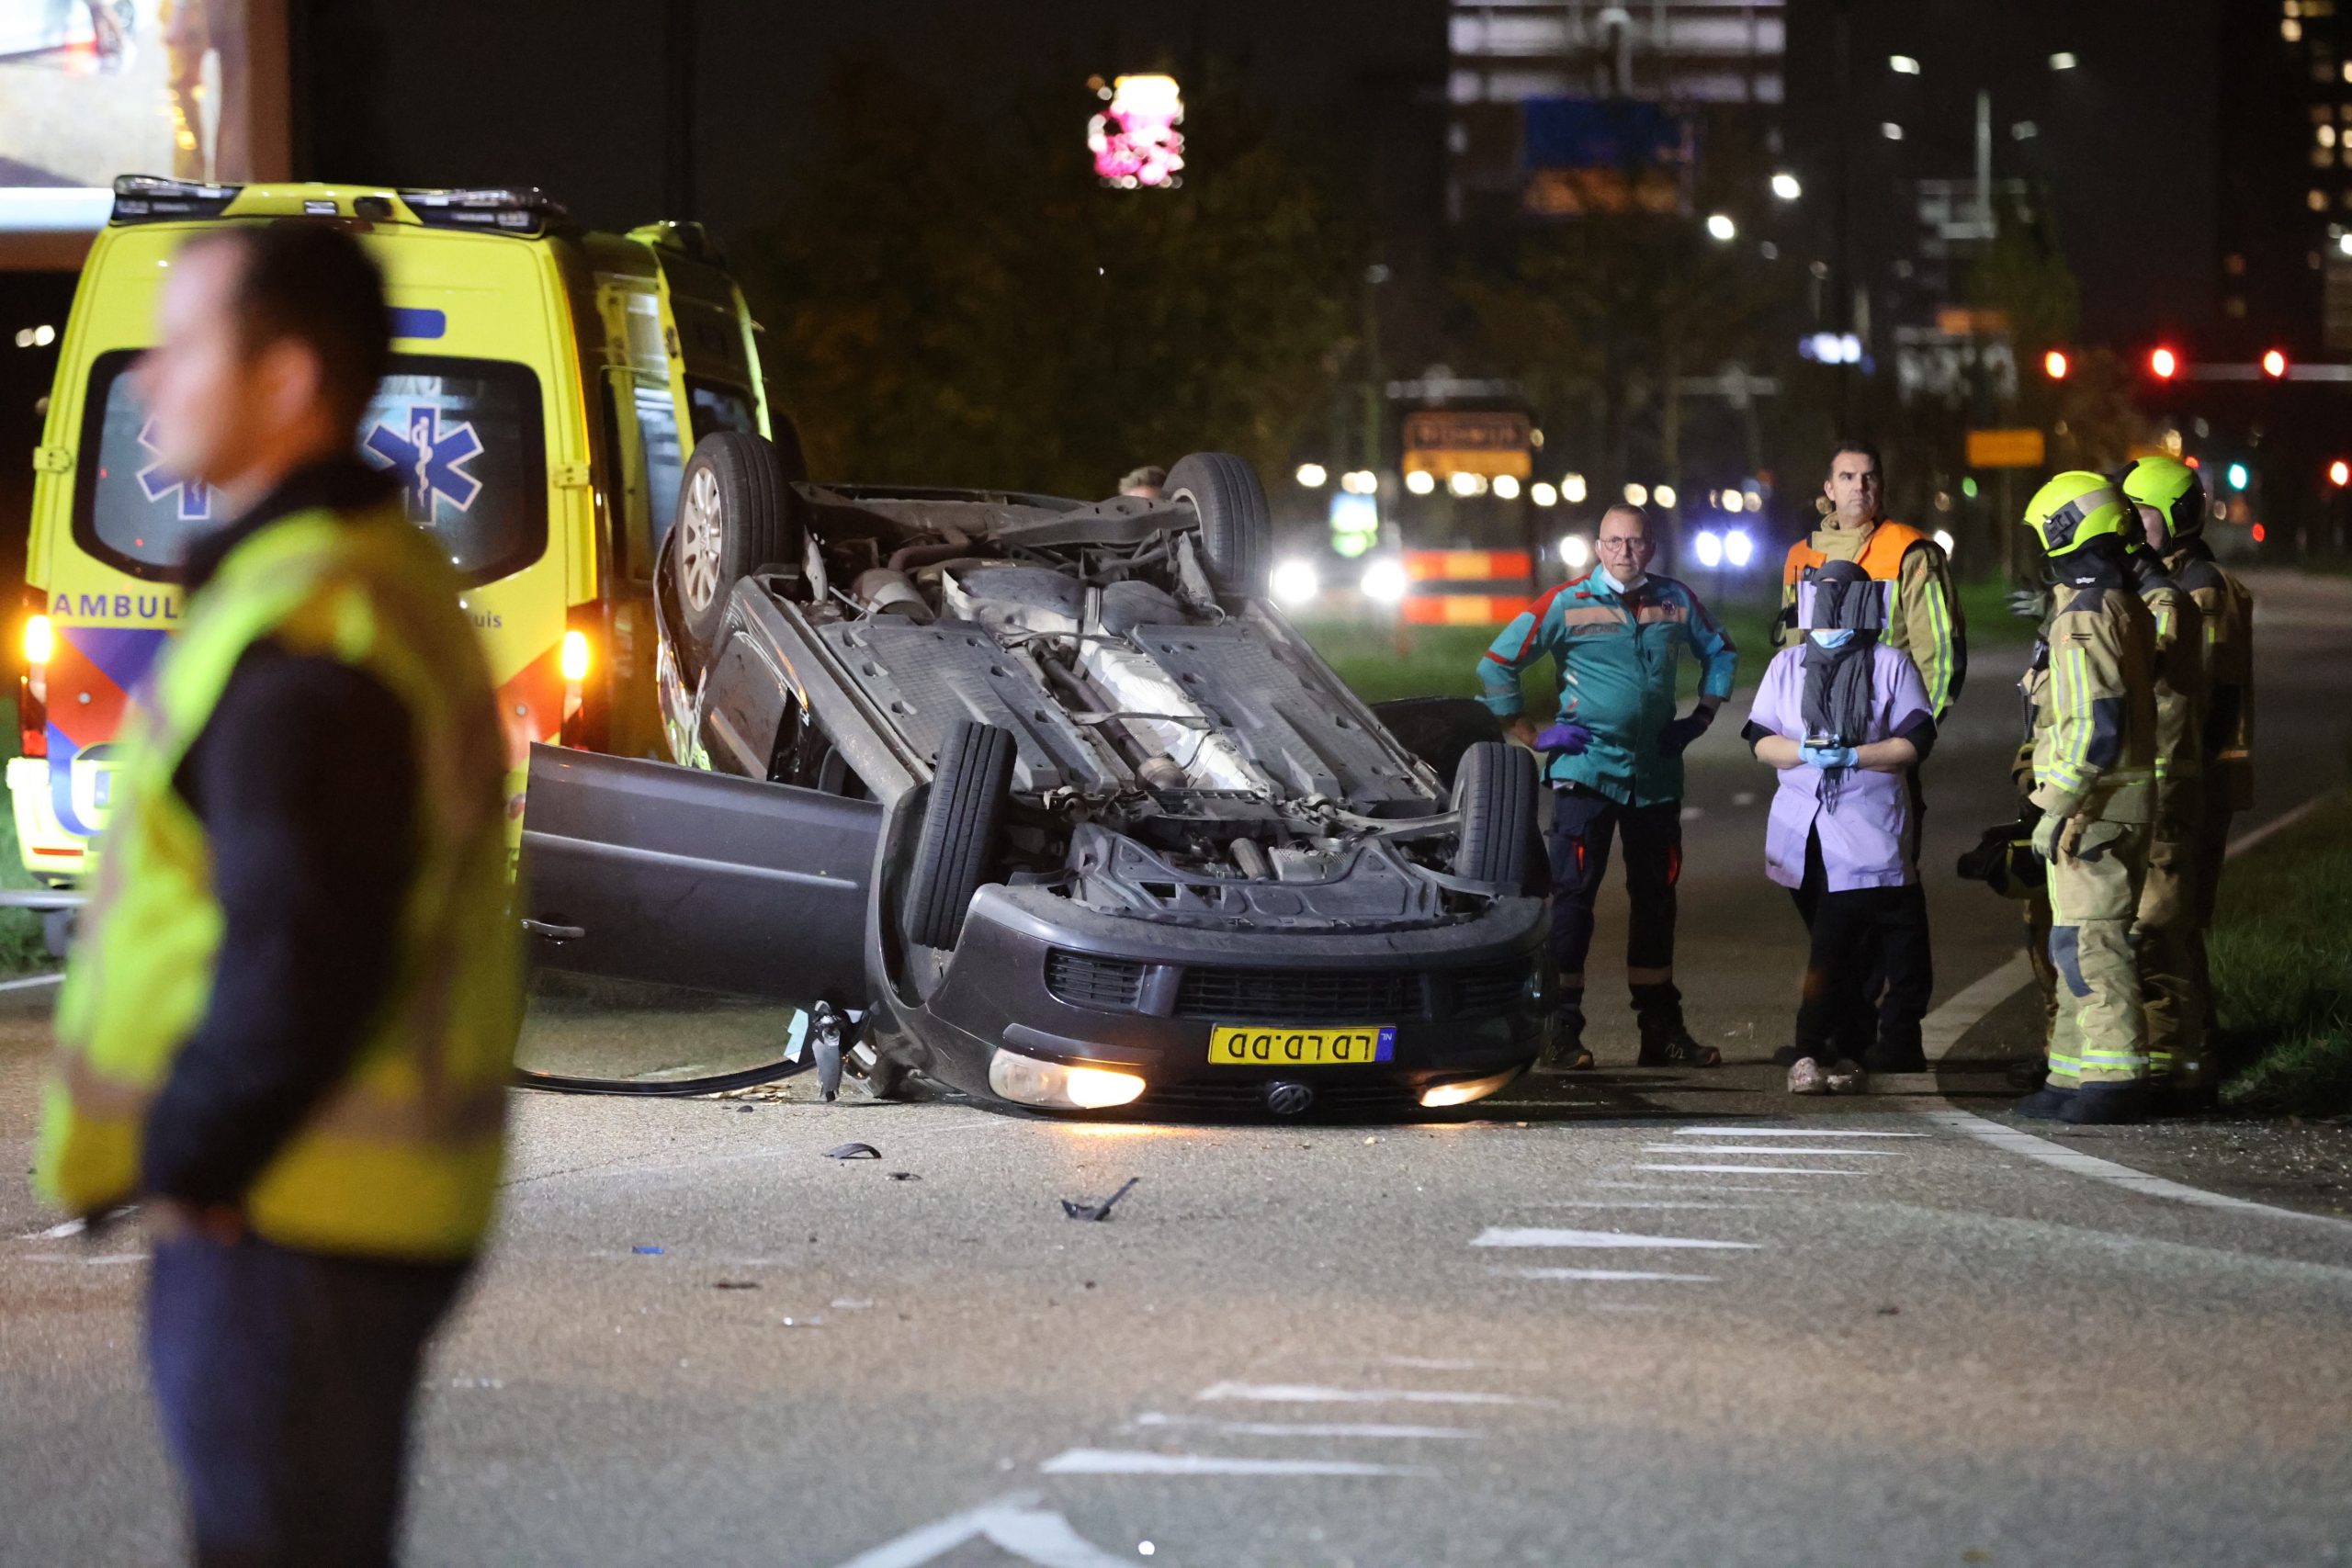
(1564, 108)
(2286, 198)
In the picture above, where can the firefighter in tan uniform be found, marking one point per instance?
(1923, 616)
(2165, 939)
(2094, 771)
(2171, 491)
(2034, 687)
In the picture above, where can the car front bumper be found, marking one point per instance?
(1036, 977)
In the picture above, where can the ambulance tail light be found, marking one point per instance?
(33, 687)
(586, 704)
(575, 656)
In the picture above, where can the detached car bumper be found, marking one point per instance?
(1042, 999)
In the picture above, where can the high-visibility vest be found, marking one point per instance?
(401, 1159)
(1880, 557)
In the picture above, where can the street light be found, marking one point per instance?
(1312, 476)
(1544, 493)
(2339, 473)
(1421, 481)
(1663, 494)
(2163, 364)
(2062, 61)
(1721, 226)
(2274, 364)
(1636, 494)
(2054, 364)
(1903, 65)
(1891, 131)
(1572, 489)
(1506, 487)
(1360, 482)
(1576, 552)
(1785, 187)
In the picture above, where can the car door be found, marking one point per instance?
(644, 871)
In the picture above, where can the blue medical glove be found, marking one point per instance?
(1566, 739)
(1827, 757)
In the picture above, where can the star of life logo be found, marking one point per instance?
(157, 483)
(428, 457)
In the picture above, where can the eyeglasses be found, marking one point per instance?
(1630, 542)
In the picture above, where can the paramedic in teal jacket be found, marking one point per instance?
(1614, 761)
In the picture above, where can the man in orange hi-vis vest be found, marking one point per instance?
(1921, 617)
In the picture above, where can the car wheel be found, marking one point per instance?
(735, 517)
(958, 845)
(1495, 791)
(1237, 529)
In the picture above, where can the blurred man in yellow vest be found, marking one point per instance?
(289, 1017)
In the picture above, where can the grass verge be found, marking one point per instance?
(1383, 660)
(2281, 952)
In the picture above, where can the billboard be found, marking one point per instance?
(90, 89)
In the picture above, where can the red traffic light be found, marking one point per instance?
(2274, 365)
(2163, 364)
(2054, 365)
(2259, 533)
(2339, 473)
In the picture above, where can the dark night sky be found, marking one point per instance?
(457, 92)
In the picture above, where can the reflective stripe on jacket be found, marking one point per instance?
(401, 1160)
(2097, 755)
(1618, 656)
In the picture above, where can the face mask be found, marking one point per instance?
(1833, 637)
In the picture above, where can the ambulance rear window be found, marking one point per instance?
(462, 437)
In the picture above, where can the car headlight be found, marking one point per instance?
(1053, 1086)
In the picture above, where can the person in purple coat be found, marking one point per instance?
(1842, 715)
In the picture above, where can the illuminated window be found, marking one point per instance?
(2323, 158)
(2235, 264)
(2318, 200)
(2326, 134)
(2319, 114)
(2291, 30)
(2293, 8)
(2234, 308)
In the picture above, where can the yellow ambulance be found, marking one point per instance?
(546, 385)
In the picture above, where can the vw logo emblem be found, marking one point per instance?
(1284, 1098)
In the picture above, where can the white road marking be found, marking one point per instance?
(1781, 1133)
(1601, 1274)
(1754, 1169)
(1758, 1149)
(1307, 1428)
(1426, 1364)
(1504, 1236)
(85, 1261)
(2010, 1140)
(1639, 1203)
(32, 980)
(1014, 1524)
(1683, 1187)
(1314, 1393)
(1943, 1028)
(1135, 1462)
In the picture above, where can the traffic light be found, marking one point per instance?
(2274, 364)
(2339, 473)
(2239, 478)
(2054, 365)
(2163, 363)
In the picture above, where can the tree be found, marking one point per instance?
(960, 302)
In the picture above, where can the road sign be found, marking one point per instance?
(1445, 442)
(2005, 449)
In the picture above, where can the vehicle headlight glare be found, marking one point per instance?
(41, 640)
(1384, 581)
(1295, 582)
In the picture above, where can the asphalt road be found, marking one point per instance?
(1625, 1318)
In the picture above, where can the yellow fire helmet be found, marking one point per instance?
(2075, 508)
(2173, 488)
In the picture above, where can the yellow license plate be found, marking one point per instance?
(1262, 1045)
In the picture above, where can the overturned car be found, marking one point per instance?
(1043, 799)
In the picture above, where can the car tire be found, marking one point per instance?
(1494, 790)
(1237, 528)
(957, 847)
(736, 517)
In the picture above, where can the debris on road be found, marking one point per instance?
(734, 1284)
(853, 1151)
(904, 1176)
(1077, 1211)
